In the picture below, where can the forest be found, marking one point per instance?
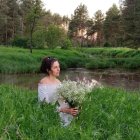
(26, 23)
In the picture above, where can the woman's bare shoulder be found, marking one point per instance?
(43, 81)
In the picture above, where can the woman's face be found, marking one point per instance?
(55, 69)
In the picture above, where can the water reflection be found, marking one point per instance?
(128, 80)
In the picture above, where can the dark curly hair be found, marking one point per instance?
(46, 65)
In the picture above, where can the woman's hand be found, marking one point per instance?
(73, 111)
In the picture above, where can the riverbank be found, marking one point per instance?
(107, 113)
(19, 60)
(113, 58)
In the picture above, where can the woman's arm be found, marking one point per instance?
(42, 96)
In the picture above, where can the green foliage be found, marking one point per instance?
(10, 25)
(112, 52)
(34, 12)
(128, 63)
(39, 38)
(98, 26)
(20, 41)
(22, 17)
(112, 26)
(54, 36)
(106, 44)
(131, 22)
(106, 114)
(112, 58)
(79, 20)
(32, 17)
(66, 44)
(100, 63)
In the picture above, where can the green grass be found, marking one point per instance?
(112, 58)
(107, 113)
(113, 52)
(127, 63)
(19, 60)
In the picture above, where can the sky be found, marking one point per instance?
(67, 7)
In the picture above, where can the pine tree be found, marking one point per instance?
(131, 22)
(78, 20)
(10, 20)
(98, 23)
(112, 32)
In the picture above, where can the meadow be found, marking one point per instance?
(107, 113)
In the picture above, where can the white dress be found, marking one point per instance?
(48, 93)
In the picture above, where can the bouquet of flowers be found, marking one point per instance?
(74, 92)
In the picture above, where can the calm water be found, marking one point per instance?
(116, 78)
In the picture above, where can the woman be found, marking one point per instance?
(47, 89)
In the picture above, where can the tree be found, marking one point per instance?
(3, 21)
(9, 19)
(78, 20)
(48, 19)
(65, 22)
(39, 38)
(65, 19)
(131, 21)
(54, 36)
(98, 26)
(112, 26)
(32, 11)
(20, 19)
(57, 19)
(137, 23)
(90, 27)
(128, 21)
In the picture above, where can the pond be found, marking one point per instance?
(129, 80)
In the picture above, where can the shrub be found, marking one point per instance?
(54, 36)
(20, 42)
(39, 38)
(106, 44)
(66, 44)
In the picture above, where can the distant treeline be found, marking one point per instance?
(25, 23)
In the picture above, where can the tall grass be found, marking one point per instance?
(113, 52)
(112, 58)
(18, 60)
(107, 113)
(15, 60)
(128, 63)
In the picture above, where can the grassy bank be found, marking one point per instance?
(113, 58)
(106, 114)
(18, 60)
(112, 52)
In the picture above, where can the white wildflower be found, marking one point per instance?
(74, 92)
